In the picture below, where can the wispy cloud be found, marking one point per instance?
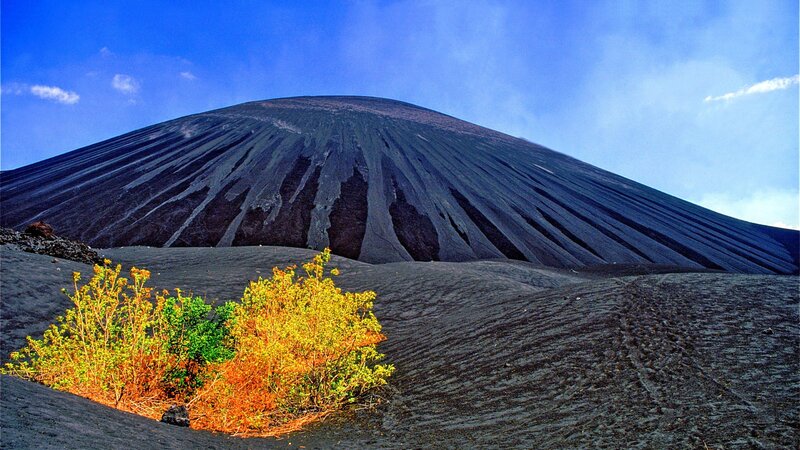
(53, 93)
(774, 84)
(780, 224)
(14, 89)
(125, 84)
(776, 207)
(188, 75)
(105, 52)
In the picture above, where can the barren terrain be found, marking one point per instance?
(491, 353)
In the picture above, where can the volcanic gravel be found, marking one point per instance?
(488, 354)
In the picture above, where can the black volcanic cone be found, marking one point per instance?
(377, 180)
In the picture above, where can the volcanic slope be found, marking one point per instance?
(376, 180)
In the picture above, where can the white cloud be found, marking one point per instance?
(776, 207)
(105, 52)
(774, 84)
(188, 75)
(125, 84)
(55, 93)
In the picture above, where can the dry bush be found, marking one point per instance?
(294, 349)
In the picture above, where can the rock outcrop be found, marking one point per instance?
(39, 238)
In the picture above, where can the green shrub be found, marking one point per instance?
(195, 338)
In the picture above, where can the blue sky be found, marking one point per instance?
(697, 99)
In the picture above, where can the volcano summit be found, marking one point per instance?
(375, 180)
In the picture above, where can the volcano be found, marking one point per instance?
(375, 180)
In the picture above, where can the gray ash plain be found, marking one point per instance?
(491, 353)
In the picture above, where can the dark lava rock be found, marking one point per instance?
(376, 180)
(176, 415)
(51, 245)
(40, 229)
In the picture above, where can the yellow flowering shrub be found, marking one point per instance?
(294, 348)
(104, 347)
(302, 348)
